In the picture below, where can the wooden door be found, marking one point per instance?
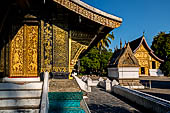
(23, 52)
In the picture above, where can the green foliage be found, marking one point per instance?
(103, 43)
(95, 61)
(161, 47)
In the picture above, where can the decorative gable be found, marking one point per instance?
(127, 59)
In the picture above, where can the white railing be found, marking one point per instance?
(85, 106)
(44, 98)
(153, 103)
(82, 84)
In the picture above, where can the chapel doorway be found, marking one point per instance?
(23, 52)
(142, 70)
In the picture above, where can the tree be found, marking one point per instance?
(161, 47)
(95, 61)
(103, 43)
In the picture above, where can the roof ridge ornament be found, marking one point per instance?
(143, 34)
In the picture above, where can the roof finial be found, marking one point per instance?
(125, 44)
(143, 33)
(120, 43)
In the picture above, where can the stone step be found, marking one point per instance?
(7, 79)
(19, 108)
(17, 86)
(66, 110)
(20, 111)
(63, 85)
(64, 103)
(19, 102)
(19, 94)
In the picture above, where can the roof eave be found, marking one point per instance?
(95, 10)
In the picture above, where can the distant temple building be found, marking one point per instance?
(136, 53)
(124, 67)
(148, 61)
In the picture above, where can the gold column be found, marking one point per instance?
(69, 67)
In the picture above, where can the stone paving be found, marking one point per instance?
(100, 101)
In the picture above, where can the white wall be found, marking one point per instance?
(128, 72)
(124, 72)
(155, 72)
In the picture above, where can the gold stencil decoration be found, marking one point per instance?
(23, 52)
(60, 49)
(46, 46)
(2, 60)
(17, 53)
(76, 50)
(31, 51)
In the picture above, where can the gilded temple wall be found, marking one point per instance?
(44, 47)
(145, 60)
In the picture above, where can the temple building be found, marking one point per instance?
(42, 39)
(148, 61)
(124, 67)
(136, 53)
(48, 35)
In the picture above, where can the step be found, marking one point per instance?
(20, 111)
(65, 96)
(7, 79)
(19, 102)
(66, 110)
(12, 86)
(19, 94)
(63, 85)
(64, 103)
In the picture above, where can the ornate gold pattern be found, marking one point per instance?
(2, 59)
(79, 42)
(31, 51)
(127, 58)
(61, 49)
(83, 38)
(23, 52)
(17, 53)
(145, 59)
(76, 50)
(88, 14)
(48, 43)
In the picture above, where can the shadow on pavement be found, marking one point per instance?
(97, 108)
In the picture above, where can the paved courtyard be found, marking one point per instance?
(100, 101)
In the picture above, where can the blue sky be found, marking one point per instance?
(149, 16)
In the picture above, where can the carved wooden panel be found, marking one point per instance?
(23, 52)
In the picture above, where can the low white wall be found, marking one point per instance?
(124, 72)
(148, 101)
(91, 82)
(128, 72)
(155, 72)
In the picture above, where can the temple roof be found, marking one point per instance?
(135, 44)
(91, 13)
(124, 58)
